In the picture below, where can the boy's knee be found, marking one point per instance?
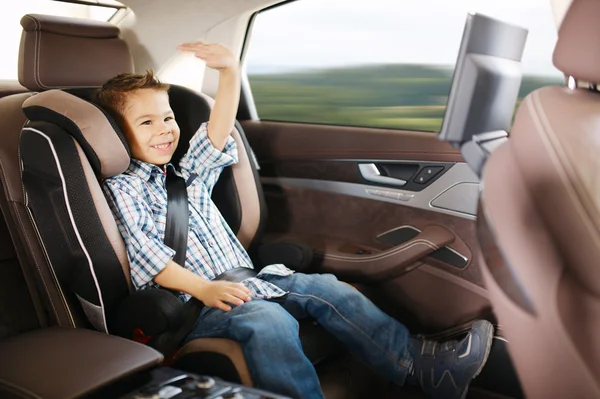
(269, 319)
(330, 283)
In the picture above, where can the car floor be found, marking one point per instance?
(346, 378)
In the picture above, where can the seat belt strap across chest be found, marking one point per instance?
(176, 230)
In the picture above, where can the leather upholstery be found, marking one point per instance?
(58, 363)
(541, 204)
(92, 51)
(8, 87)
(575, 54)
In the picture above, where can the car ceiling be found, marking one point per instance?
(155, 27)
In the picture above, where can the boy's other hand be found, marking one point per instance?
(219, 294)
(215, 55)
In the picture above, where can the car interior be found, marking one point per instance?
(434, 238)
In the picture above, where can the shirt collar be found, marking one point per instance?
(143, 169)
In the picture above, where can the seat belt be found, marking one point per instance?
(176, 230)
(176, 237)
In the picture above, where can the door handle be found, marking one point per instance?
(370, 172)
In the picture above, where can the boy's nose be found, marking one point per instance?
(165, 129)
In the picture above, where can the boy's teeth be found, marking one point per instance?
(162, 146)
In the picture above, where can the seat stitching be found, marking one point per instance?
(38, 36)
(26, 238)
(51, 268)
(38, 27)
(18, 388)
(37, 266)
(46, 257)
(11, 199)
(21, 166)
(38, 41)
(539, 116)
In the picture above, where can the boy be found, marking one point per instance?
(261, 311)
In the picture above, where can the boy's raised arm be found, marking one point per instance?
(222, 117)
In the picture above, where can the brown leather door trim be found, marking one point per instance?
(278, 141)
(387, 264)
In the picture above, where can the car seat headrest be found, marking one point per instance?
(575, 54)
(95, 131)
(61, 52)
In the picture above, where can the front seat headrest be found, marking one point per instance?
(96, 132)
(61, 52)
(576, 52)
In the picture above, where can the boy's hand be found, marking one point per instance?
(218, 294)
(215, 55)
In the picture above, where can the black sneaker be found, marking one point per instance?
(444, 370)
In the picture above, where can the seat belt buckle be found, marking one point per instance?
(140, 337)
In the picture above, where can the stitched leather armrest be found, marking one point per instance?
(64, 363)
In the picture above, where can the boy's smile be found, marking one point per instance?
(150, 127)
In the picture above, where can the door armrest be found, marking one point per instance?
(64, 363)
(387, 264)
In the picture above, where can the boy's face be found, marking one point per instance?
(150, 127)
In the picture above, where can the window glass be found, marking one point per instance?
(10, 27)
(383, 63)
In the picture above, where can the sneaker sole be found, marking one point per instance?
(488, 348)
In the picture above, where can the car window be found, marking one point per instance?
(383, 63)
(10, 27)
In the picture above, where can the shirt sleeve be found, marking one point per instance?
(204, 160)
(148, 255)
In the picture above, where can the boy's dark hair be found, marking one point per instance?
(112, 95)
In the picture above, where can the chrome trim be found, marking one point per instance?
(406, 226)
(460, 197)
(457, 173)
(370, 172)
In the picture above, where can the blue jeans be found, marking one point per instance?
(268, 333)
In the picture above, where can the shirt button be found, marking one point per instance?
(211, 244)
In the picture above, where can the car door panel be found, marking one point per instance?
(316, 194)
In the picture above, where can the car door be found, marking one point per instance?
(341, 108)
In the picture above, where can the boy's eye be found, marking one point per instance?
(168, 118)
(148, 122)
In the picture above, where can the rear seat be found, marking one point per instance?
(37, 359)
(18, 311)
(8, 87)
(101, 44)
(20, 306)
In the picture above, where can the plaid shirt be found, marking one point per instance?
(138, 200)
